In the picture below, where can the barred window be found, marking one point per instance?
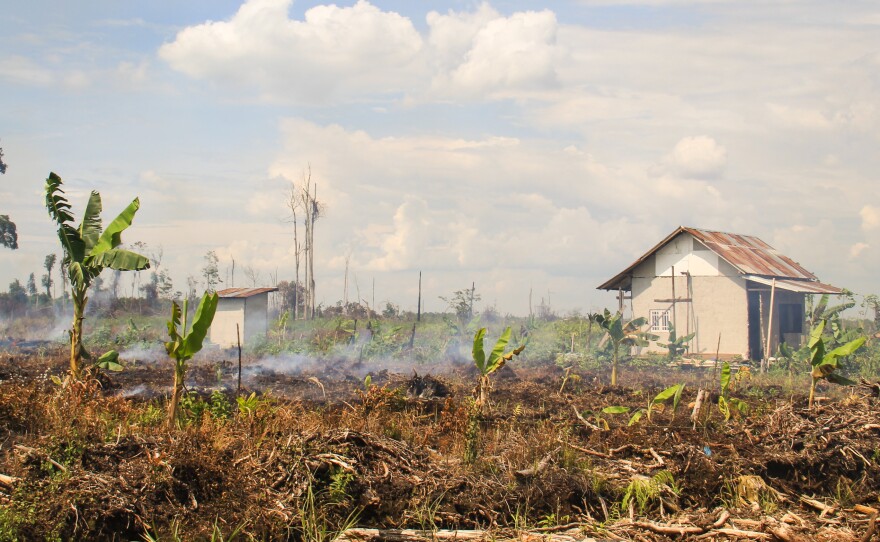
(659, 320)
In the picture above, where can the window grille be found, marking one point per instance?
(659, 320)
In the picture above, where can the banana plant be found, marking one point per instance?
(824, 363)
(185, 344)
(816, 311)
(672, 392)
(725, 402)
(676, 346)
(496, 360)
(88, 250)
(627, 334)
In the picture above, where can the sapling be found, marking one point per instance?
(495, 361)
(185, 344)
(676, 346)
(672, 392)
(622, 334)
(725, 401)
(824, 363)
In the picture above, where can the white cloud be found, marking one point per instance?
(427, 202)
(857, 249)
(698, 157)
(19, 69)
(76, 80)
(870, 217)
(334, 50)
(344, 53)
(484, 52)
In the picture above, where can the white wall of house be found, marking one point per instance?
(718, 292)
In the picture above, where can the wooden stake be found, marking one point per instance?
(674, 318)
(761, 317)
(766, 362)
(238, 340)
(698, 406)
(419, 309)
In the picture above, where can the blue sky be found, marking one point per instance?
(518, 145)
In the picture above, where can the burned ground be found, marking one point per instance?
(312, 451)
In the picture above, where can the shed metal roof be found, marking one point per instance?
(800, 286)
(748, 254)
(244, 292)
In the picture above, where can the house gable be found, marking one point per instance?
(684, 254)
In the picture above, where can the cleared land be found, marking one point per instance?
(315, 451)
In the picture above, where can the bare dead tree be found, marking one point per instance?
(303, 203)
(252, 275)
(294, 206)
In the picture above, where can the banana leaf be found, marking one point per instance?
(90, 229)
(201, 323)
(117, 258)
(496, 357)
(478, 352)
(112, 236)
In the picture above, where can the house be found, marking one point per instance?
(246, 308)
(734, 291)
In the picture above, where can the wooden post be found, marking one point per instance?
(766, 363)
(419, 309)
(238, 340)
(674, 319)
(687, 287)
(761, 318)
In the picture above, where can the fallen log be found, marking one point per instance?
(662, 528)
(33, 452)
(823, 508)
(406, 535)
(415, 535)
(537, 469)
(737, 533)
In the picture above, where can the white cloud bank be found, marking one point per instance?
(340, 52)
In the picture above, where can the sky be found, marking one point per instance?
(519, 146)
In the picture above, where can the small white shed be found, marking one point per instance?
(246, 307)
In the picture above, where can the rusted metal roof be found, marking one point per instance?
(800, 286)
(244, 292)
(748, 254)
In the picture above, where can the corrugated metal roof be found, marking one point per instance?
(800, 286)
(244, 292)
(748, 254)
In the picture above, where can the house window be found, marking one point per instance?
(659, 320)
